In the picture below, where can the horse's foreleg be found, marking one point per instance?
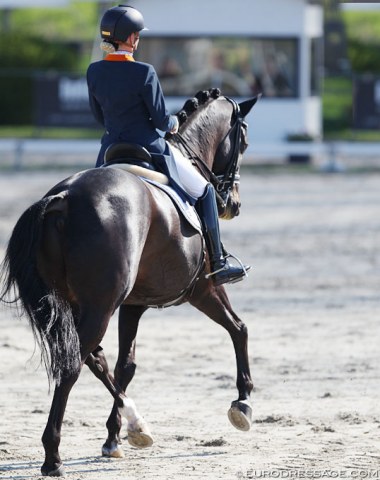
(217, 306)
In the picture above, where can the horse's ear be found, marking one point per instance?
(245, 107)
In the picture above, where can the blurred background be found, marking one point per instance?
(316, 63)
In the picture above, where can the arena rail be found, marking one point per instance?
(17, 154)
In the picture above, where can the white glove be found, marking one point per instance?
(176, 125)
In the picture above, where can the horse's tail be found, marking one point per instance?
(50, 316)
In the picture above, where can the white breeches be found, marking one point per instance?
(190, 178)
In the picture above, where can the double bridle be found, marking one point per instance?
(224, 183)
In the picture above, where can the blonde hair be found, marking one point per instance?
(108, 47)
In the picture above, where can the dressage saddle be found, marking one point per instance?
(134, 159)
(130, 153)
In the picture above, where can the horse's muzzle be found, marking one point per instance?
(232, 208)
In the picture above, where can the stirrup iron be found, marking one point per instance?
(244, 268)
(230, 255)
(208, 275)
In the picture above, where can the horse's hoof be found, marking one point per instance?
(114, 451)
(139, 435)
(240, 415)
(55, 472)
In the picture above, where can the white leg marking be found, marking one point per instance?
(139, 435)
(129, 411)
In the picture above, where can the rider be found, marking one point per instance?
(126, 98)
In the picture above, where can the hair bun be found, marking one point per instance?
(107, 46)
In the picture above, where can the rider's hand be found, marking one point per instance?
(176, 125)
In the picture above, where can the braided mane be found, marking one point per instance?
(191, 105)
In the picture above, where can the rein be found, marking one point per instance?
(224, 183)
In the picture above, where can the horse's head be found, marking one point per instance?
(213, 134)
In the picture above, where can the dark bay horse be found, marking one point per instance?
(104, 239)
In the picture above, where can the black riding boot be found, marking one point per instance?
(221, 270)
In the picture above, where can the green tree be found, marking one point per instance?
(363, 33)
(34, 40)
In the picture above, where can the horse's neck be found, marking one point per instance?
(204, 138)
(198, 148)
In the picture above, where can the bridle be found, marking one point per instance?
(224, 183)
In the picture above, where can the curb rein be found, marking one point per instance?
(224, 183)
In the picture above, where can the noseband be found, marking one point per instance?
(224, 183)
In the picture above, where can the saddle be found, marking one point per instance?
(135, 159)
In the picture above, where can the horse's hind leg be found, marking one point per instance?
(138, 432)
(91, 329)
(215, 304)
(52, 434)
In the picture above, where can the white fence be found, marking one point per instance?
(25, 153)
(19, 153)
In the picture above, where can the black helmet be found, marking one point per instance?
(120, 22)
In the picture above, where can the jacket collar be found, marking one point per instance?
(119, 57)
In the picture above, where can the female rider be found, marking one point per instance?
(126, 98)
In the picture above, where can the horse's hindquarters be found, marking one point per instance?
(92, 237)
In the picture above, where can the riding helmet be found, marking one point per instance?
(120, 22)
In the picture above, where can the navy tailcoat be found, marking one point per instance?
(126, 98)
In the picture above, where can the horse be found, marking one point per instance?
(105, 239)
